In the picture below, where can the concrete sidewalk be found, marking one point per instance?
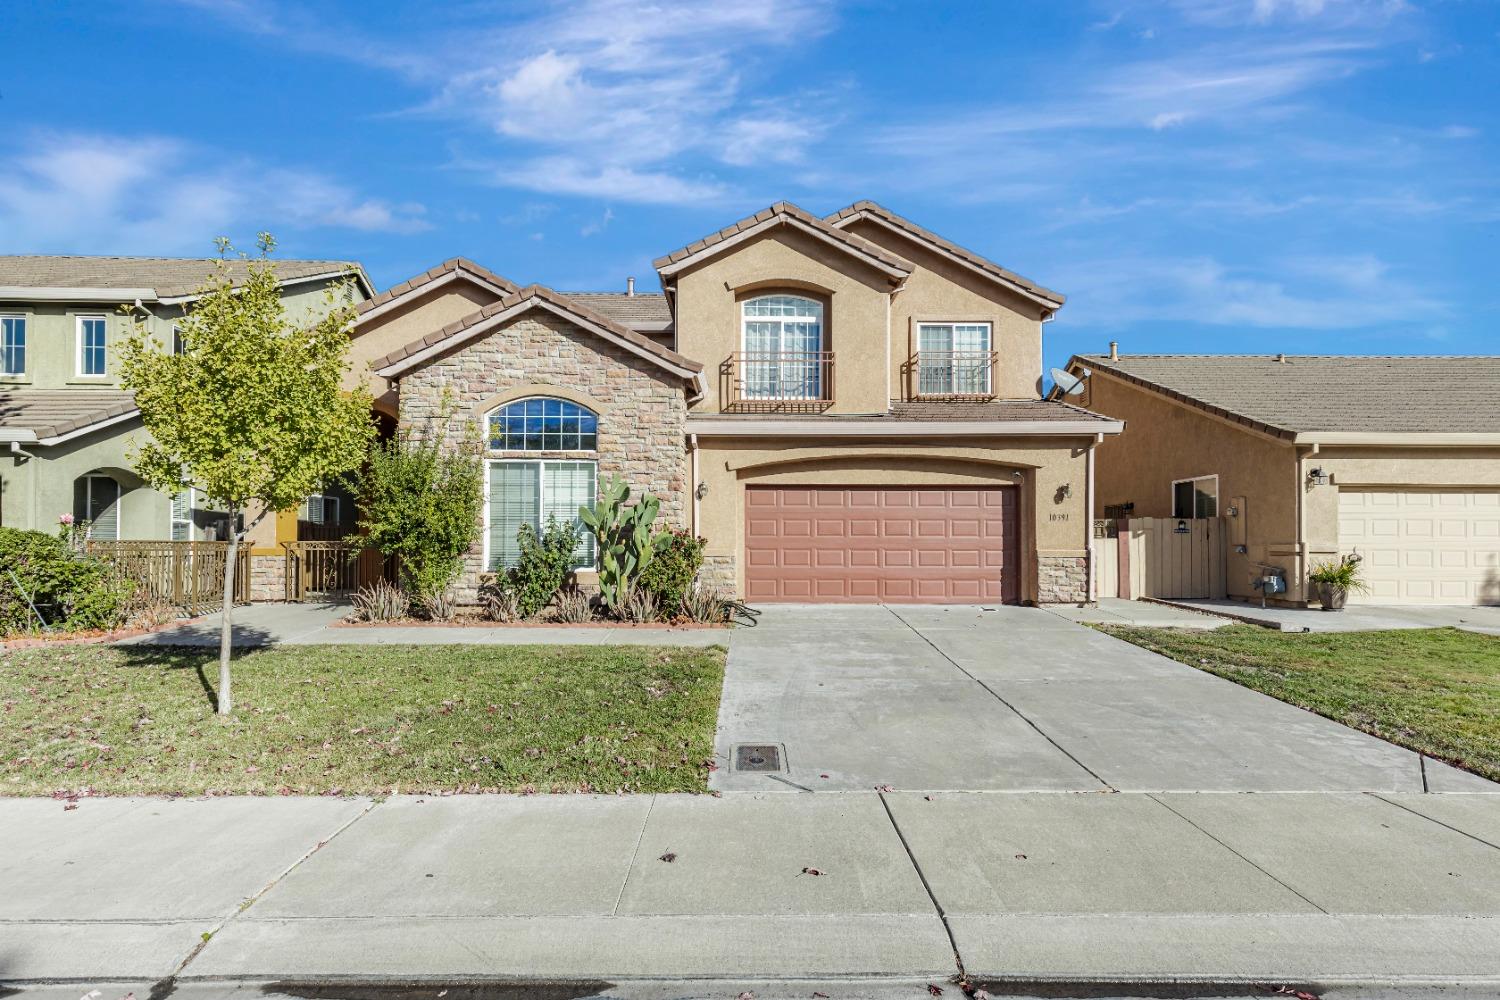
(1026, 887)
(1355, 618)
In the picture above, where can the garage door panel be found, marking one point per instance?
(1424, 546)
(945, 545)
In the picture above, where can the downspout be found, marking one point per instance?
(693, 482)
(1088, 517)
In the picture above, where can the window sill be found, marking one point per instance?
(103, 380)
(15, 379)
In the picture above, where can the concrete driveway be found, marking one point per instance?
(1019, 699)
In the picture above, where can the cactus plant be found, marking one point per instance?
(625, 543)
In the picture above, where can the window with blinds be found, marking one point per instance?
(96, 499)
(182, 516)
(531, 492)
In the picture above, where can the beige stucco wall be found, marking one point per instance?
(1166, 441)
(422, 315)
(854, 299)
(1051, 525)
(941, 290)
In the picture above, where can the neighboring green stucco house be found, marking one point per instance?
(65, 423)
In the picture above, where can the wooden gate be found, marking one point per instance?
(330, 570)
(1169, 558)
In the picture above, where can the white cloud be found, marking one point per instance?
(100, 193)
(596, 226)
(576, 176)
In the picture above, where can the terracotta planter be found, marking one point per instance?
(1333, 596)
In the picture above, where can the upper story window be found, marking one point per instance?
(543, 424)
(91, 346)
(12, 345)
(783, 347)
(954, 359)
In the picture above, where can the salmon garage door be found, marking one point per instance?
(896, 545)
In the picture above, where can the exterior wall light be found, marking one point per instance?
(701, 491)
(1317, 477)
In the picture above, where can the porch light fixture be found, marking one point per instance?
(1317, 477)
(701, 491)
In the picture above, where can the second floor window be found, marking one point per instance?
(783, 344)
(91, 346)
(953, 359)
(12, 345)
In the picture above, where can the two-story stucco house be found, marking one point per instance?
(848, 408)
(65, 423)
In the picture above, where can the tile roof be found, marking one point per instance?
(168, 276)
(626, 309)
(933, 240)
(785, 210)
(450, 266)
(567, 305)
(48, 413)
(1028, 410)
(1329, 393)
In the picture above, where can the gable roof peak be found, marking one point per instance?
(448, 270)
(783, 213)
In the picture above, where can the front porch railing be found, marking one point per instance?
(188, 575)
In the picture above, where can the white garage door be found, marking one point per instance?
(1424, 546)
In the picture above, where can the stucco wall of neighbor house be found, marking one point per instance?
(1053, 527)
(641, 408)
(855, 312)
(1366, 467)
(424, 314)
(941, 290)
(1165, 441)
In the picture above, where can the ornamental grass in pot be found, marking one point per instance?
(1336, 580)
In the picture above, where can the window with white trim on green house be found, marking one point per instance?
(92, 347)
(12, 345)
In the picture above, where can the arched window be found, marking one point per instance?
(543, 424)
(783, 344)
(533, 491)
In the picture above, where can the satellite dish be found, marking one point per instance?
(1070, 384)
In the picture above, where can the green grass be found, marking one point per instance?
(359, 719)
(1436, 691)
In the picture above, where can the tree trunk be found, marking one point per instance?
(226, 626)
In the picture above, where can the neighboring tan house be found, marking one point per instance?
(1311, 458)
(847, 408)
(65, 423)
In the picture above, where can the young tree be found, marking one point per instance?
(250, 411)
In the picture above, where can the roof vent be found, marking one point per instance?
(1114, 350)
(630, 286)
(1281, 359)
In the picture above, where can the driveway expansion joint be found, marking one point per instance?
(634, 856)
(942, 915)
(1430, 819)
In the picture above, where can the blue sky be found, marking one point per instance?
(1197, 175)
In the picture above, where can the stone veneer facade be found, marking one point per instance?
(1062, 579)
(642, 409)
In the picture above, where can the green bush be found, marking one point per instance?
(669, 575)
(73, 592)
(543, 565)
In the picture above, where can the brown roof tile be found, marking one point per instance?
(1328, 393)
(944, 246)
(786, 209)
(626, 309)
(453, 264)
(169, 277)
(49, 413)
(567, 305)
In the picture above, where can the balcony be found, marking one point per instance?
(776, 382)
(956, 375)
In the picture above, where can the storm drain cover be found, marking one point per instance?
(757, 757)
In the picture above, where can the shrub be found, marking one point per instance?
(440, 606)
(1344, 574)
(420, 500)
(669, 575)
(543, 565)
(706, 606)
(626, 544)
(574, 607)
(641, 607)
(499, 602)
(71, 590)
(382, 602)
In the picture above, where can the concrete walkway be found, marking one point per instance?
(1018, 699)
(258, 625)
(1145, 614)
(1022, 888)
(1356, 617)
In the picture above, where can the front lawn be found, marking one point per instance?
(359, 719)
(1436, 691)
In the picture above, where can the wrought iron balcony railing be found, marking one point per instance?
(777, 381)
(963, 375)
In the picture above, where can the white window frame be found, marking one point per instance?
(747, 390)
(324, 499)
(173, 521)
(78, 322)
(541, 502)
(25, 344)
(989, 347)
(1172, 495)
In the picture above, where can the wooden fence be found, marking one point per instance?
(188, 575)
(1162, 557)
(330, 570)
